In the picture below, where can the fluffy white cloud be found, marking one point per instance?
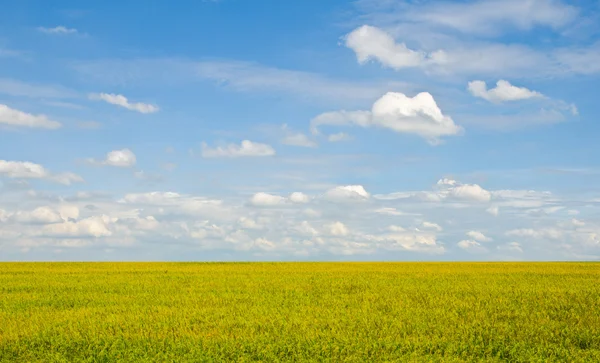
(478, 236)
(12, 117)
(298, 197)
(267, 200)
(338, 229)
(29, 170)
(369, 42)
(249, 223)
(395, 111)
(447, 190)
(470, 192)
(347, 193)
(124, 158)
(504, 91)
(40, 215)
(122, 101)
(247, 148)
(88, 227)
(121, 158)
(61, 30)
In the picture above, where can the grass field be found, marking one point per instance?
(355, 312)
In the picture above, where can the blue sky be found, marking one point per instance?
(309, 130)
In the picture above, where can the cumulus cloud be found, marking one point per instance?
(446, 190)
(418, 115)
(267, 200)
(478, 236)
(98, 226)
(504, 91)
(124, 158)
(246, 149)
(12, 117)
(338, 229)
(59, 30)
(469, 192)
(298, 197)
(347, 193)
(122, 101)
(29, 170)
(369, 42)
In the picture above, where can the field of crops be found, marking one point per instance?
(355, 312)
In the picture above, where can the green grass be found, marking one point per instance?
(321, 312)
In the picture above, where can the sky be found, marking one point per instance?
(268, 130)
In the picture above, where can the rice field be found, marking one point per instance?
(301, 312)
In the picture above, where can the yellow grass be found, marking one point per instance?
(354, 312)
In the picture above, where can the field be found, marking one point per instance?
(332, 312)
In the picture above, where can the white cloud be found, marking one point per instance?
(504, 91)
(298, 139)
(396, 229)
(249, 223)
(122, 101)
(264, 244)
(89, 227)
(124, 158)
(40, 215)
(121, 158)
(60, 30)
(267, 200)
(29, 170)
(306, 229)
(340, 136)
(470, 192)
(12, 117)
(347, 193)
(395, 111)
(247, 148)
(471, 246)
(370, 42)
(338, 229)
(432, 226)
(490, 17)
(478, 236)
(299, 198)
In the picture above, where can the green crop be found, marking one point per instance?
(319, 312)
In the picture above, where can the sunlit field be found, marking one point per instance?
(356, 312)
